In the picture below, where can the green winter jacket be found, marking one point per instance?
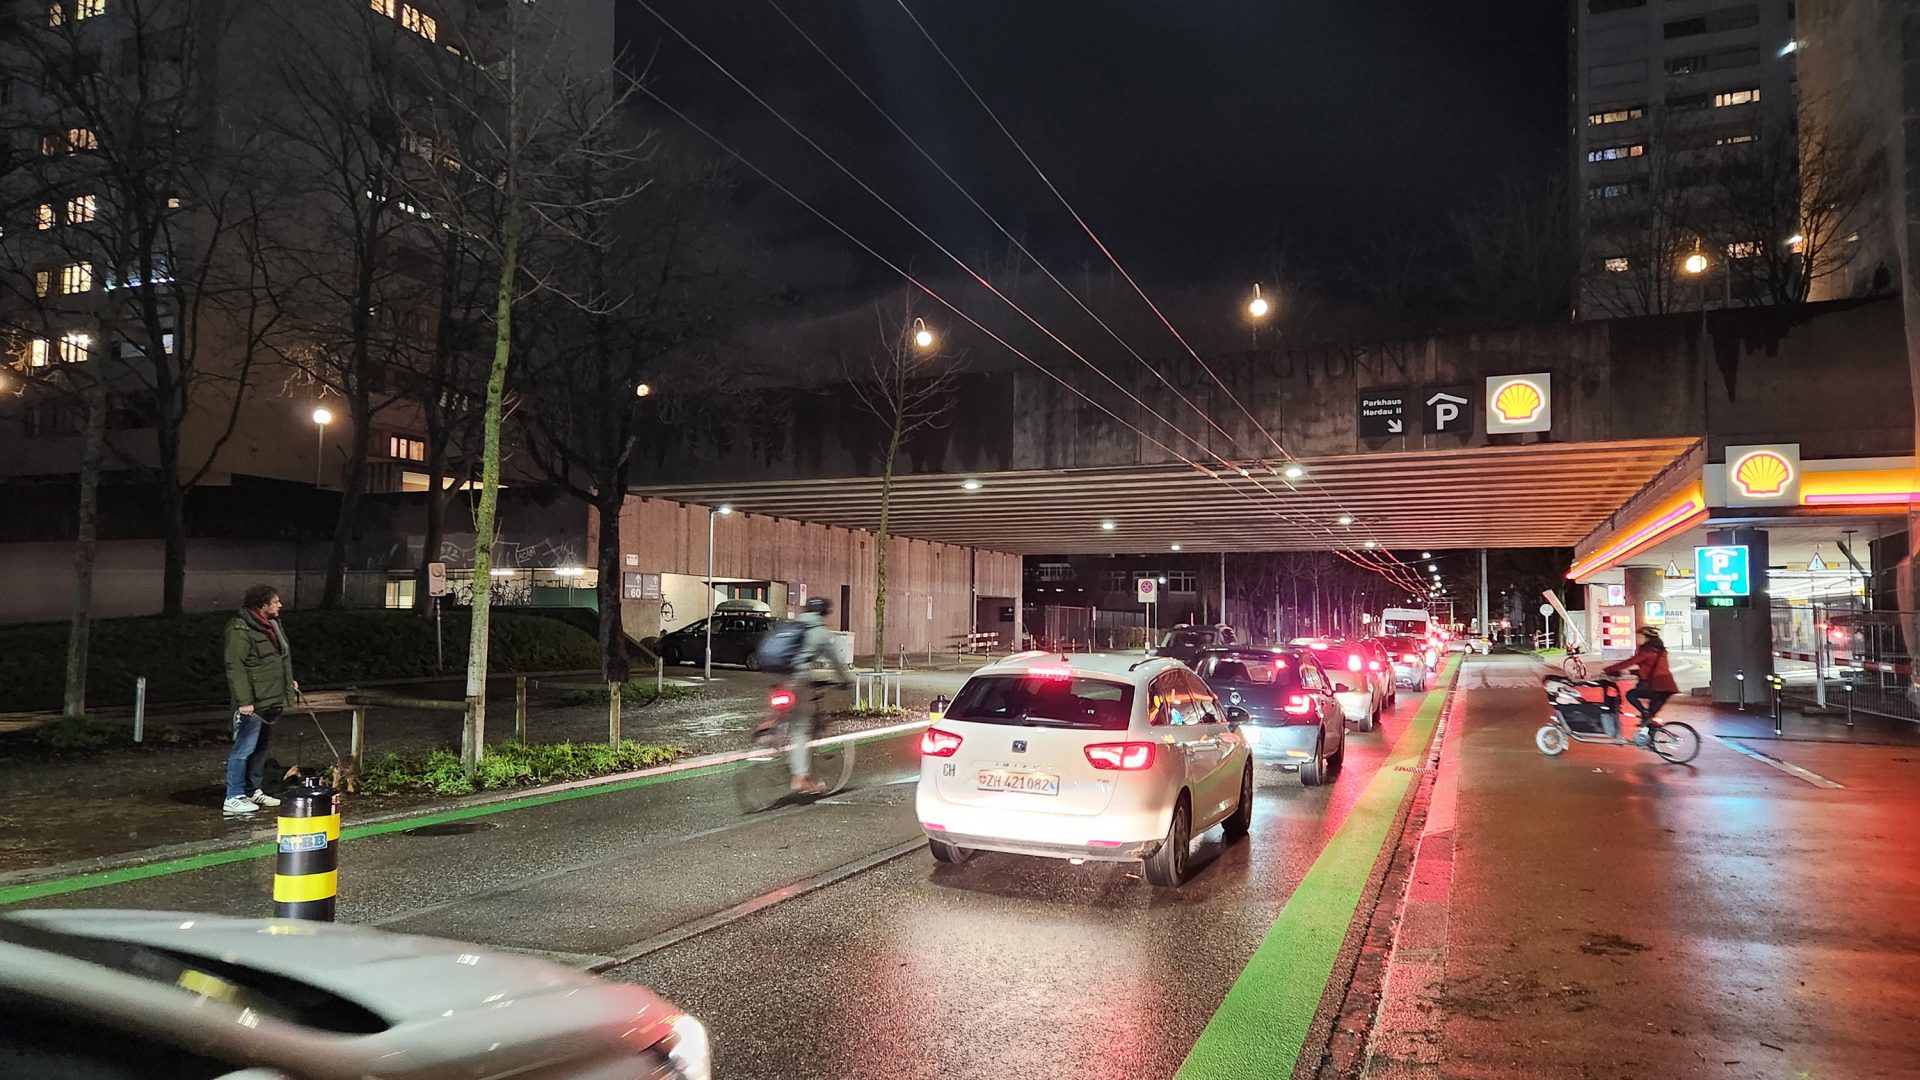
(258, 673)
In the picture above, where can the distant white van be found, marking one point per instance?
(1404, 622)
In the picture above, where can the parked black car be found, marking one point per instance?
(1286, 705)
(1187, 641)
(735, 637)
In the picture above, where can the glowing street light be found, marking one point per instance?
(1294, 472)
(643, 390)
(322, 416)
(1174, 547)
(1346, 519)
(1695, 263)
(1431, 566)
(970, 485)
(922, 337)
(1258, 306)
(1109, 526)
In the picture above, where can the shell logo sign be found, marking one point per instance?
(1763, 475)
(1518, 403)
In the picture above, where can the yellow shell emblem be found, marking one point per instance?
(1762, 472)
(1518, 402)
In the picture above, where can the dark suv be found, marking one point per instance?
(736, 634)
(1186, 642)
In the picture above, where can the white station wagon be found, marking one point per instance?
(1084, 756)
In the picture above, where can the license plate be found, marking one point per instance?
(1029, 783)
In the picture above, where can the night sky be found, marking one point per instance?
(1200, 138)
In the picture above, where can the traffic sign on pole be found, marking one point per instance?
(1147, 589)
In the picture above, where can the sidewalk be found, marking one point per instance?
(1605, 914)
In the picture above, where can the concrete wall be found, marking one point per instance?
(665, 537)
(126, 581)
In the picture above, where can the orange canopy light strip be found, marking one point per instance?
(1686, 508)
(1860, 488)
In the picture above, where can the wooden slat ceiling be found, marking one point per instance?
(1542, 495)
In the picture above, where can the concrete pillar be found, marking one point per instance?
(1644, 583)
(1743, 637)
(1019, 603)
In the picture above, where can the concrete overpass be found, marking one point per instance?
(1025, 465)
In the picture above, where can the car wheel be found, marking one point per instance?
(1168, 866)
(670, 656)
(1241, 820)
(753, 661)
(1310, 771)
(1339, 757)
(1372, 721)
(948, 853)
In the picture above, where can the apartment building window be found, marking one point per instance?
(51, 145)
(1611, 191)
(1183, 581)
(1728, 98)
(1714, 22)
(1743, 249)
(1687, 102)
(56, 14)
(79, 139)
(87, 9)
(43, 283)
(1616, 153)
(75, 346)
(1617, 265)
(76, 278)
(1053, 571)
(419, 22)
(1718, 60)
(385, 7)
(36, 352)
(1616, 116)
(82, 209)
(1115, 581)
(402, 448)
(1735, 139)
(43, 217)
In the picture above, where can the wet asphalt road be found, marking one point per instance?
(907, 968)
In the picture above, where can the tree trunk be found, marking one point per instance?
(81, 624)
(473, 738)
(880, 556)
(353, 484)
(615, 667)
(439, 423)
(173, 530)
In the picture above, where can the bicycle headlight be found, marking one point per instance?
(689, 1053)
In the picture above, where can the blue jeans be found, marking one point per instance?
(247, 761)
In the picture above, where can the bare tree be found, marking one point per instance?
(908, 385)
(1515, 258)
(1644, 227)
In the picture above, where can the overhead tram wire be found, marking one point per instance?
(1285, 454)
(1304, 516)
(943, 301)
(864, 186)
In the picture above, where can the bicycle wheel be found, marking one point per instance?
(833, 765)
(1676, 742)
(1575, 667)
(1551, 740)
(762, 779)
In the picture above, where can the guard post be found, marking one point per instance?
(1776, 684)
(306, 868)
(937, 711)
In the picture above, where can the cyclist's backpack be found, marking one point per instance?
(780, 648)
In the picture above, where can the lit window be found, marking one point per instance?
(384, 7)
(43, 217)
(404, 449)
(1616, 116)
(36, 354)
(82, 209)
(81, 139)
(76, 278)
(74, 346)
(419, 22)
(42, 282)
(1736, 97)
(1616, 153)
(87, 9)
(1617, 265)
(173, 202)
(1735, 140)
(1743, 249)
(51, 145)
(56, 14)
(1609, 191)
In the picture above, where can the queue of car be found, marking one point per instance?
(1101, 757)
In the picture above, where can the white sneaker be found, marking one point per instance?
(239, 804)
(261, 798)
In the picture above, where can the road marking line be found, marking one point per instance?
(1261, 1025)
(1787, 767)
(578, 789)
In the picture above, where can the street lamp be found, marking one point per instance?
(1294, 472)
(1695, 263)
(643, 390)
(722, 510)
(922, 337)
(322, 416)
(1258, 306)
(1346, 519)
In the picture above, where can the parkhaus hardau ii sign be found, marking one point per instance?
(1509, 404)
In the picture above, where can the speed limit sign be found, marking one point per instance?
(1147, 589)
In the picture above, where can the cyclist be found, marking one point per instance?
(1655, 684)
(815, 667)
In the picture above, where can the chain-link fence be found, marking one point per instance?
(1839, 656)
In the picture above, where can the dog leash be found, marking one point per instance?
(304, 707)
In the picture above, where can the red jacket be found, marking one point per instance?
(1651, 665)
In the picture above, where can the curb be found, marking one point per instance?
(465, 807)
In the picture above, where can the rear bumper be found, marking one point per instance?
(1086, 852)
(1127, 827)
(1290, 744)
(1356, 706)
(1409, 674)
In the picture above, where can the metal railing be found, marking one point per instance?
(1840, 658)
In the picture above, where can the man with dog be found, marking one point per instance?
(259, 665)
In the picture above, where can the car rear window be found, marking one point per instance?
(1277, 672)
(1092, 704)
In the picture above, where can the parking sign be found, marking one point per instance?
(1147, 589)
(1722, 571)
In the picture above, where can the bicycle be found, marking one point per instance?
(763, 779)
(1578, 718)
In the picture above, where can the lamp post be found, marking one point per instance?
(322, 416)
(923, 338)
(711, 511)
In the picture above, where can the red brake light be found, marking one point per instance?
(1373, 665)
(1409, 658)
(937, 743)
(1299, 705)
(781, 698)
(1353, 661)
(1049, 673)
(1279, 665)
(1125, 756)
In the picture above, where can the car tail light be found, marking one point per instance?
(1353, 661)
(781, 698)
(1050, 672)
(937, 743)
(1299, 705)
(1125, 756)
(1408, 658)
(1279, 666)
(1373, 665)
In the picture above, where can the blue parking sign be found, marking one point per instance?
(1722, 571)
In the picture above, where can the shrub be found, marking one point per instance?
(635, 692)
(509, 765)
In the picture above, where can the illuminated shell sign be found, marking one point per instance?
(1519, 403)
(1763, 475)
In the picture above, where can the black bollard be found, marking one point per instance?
(1777, 684)
(1849, 686)
(306, 869)
(1740, 677)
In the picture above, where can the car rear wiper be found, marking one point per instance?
(1044, 721)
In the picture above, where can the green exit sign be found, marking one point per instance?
(1705, 602)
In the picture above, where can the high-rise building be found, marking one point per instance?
(1667, 97)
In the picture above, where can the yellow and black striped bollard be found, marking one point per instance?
(306, 871)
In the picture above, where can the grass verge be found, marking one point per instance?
(509, 765)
